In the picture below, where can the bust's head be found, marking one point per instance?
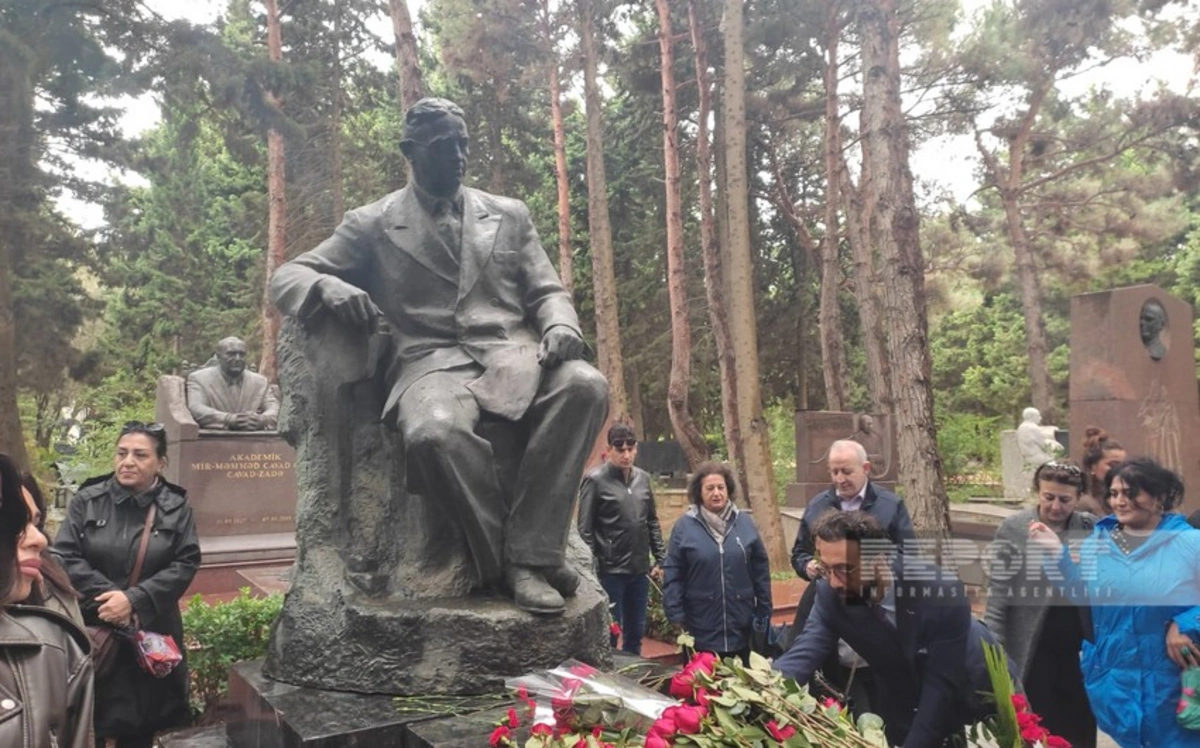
(436, 144)
(231, 357)
(1151, 323)
(1032, 415)
(866, 424)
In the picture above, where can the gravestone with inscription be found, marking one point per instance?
(816, 430)
(1133, 372)
(241, 484)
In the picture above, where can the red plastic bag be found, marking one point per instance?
(157, 654)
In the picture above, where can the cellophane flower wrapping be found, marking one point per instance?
(157, 654)
(575, 695)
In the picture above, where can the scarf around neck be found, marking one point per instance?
(717, 524)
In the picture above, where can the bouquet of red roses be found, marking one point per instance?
(574, 695)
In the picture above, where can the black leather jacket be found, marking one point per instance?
(618, 520)
(45, 680)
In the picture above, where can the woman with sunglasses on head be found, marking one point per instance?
(45, 671)
(1140, 570)
(99, 544)
(1042, 630)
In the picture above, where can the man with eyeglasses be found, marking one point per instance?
(910, 621)
(618, 521)
(852, 490)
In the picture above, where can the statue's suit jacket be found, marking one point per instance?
(488, 306)
(210, 399)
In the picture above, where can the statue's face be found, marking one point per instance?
(232, 358)
(867, 424)
(440, 165)
(1152, 320)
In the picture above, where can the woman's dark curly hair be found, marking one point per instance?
(1144, 475)
(705, 469)
(14, 516)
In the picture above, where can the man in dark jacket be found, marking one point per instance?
(852, 490)
(909, 620)
(618, 521)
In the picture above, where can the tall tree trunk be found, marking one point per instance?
(714, 272)
(276, 206)
(337, 193)
(829, 315)
(866, 291)
(681, 325)
(604, 279)
(566, 258)
(16, 153)
(894, 231)
(760, 472)
(1029, 287)
(412, 86)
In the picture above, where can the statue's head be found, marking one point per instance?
(231, 356)
(436, 144)
(1032, 415)
(866, 424)
(1152, 321)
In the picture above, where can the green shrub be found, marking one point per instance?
(221, 634)
(657, 625)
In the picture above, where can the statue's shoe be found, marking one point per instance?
(532, 593)
(564, 579)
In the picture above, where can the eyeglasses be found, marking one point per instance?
(621, 444)
(842, 571)
(153, 428)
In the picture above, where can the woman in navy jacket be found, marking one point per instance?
(718, 579)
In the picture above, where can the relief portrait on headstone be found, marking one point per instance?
(1152, 325)
(875, 443)
(481, 329)
(226, 396)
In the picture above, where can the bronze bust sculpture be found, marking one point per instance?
(1151, 323)
(226, 396)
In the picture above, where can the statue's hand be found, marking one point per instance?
(348, 303)
(241, 422)
(559, 344)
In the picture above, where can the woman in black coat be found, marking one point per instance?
(98, 544)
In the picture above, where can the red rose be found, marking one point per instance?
(780, 733)
(703, 695)
(1054, 741)
(583, 671)
(614, 628)
(706, 661)
(1027, 720)
(1033, 734)
(654, 740)
(542, 730)
(831, 702)
(682, 685)
(1020, 703)
(581, 743)
(512, 718)
(688, 718)
(664, 725)
(500, 736)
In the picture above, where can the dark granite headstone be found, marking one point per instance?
(1133, 373)
(662, 458)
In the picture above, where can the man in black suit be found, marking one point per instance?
(909, 620)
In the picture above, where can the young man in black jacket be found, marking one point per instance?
(618, 521)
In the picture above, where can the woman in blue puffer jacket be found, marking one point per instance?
(1140, 570)
(718, 580)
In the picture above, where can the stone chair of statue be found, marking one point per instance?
(382, 596)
